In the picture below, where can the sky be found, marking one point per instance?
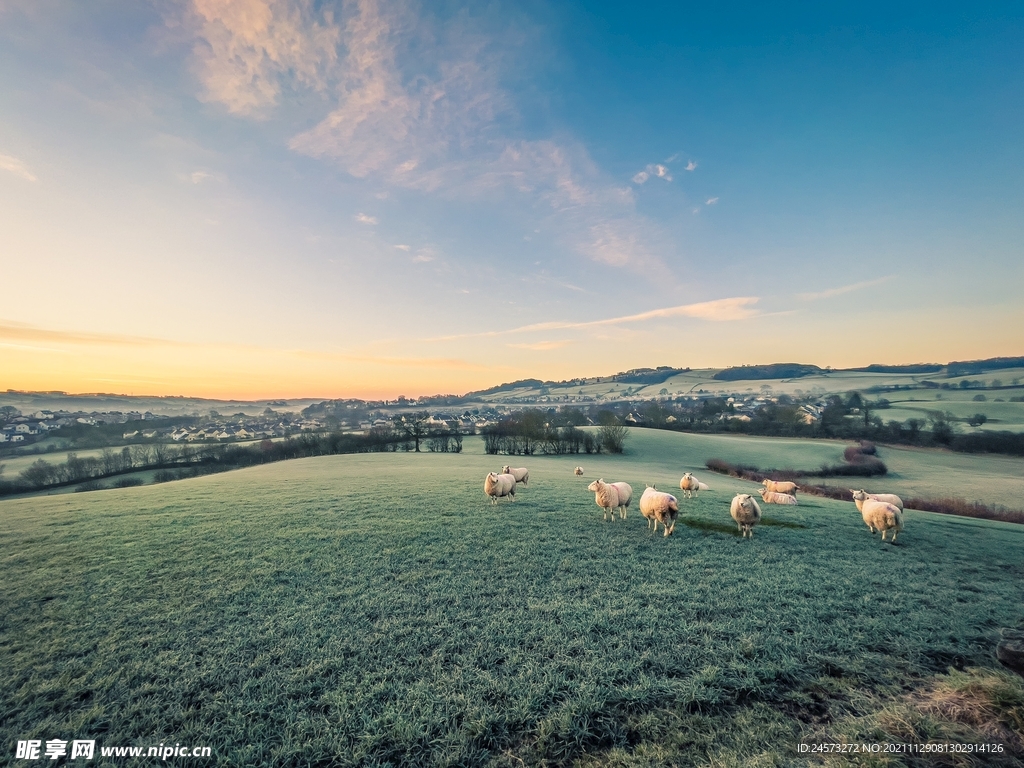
(288, 198)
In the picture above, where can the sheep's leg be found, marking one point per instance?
(894, 536)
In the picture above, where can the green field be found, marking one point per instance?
(376, 610)
(819, 385)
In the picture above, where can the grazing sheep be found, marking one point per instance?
(496, 486)
(771, 497)
(879, 515)
(578, 471)
(888, 498)
(780, 486)
(746, 513)
(659, 507)
(521, 474)
(625, 497)
(611, 496)
(690, 485)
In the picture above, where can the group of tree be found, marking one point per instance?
(531, 431)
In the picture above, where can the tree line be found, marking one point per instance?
(530, 431)
(174, 462)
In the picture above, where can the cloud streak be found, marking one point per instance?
(20, 336)
(541, 346)
(717, 310)
(17, 167)
(827, 294)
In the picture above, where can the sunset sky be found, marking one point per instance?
(279, 198)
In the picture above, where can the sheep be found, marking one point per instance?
(690, 485)
(611, 496)
(771, 497)
(888, 498)
(659, 507)
(746, 513)
(521, 474)
(780, 486)
(496, 486)
(879, 515)
(578, 471)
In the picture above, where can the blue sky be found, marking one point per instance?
(275, 197)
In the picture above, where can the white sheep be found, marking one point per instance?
(497, 486)
(780, 486)
(746, 513)
(879, 515)
(578, 471)
(690, 485)
(611, 496)
(521, 474)
(771, 497)
(888, 498)
(659, 507)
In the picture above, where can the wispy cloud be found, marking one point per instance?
(691, 166)
(844, 289)
(717, 310)
(653, 171)
(737, 308)
(17, 167)
(245, 49)
(418, 105)
(10, 330)
(541, 346)
(403, 247)
(711, 201)
(362, 218)
(21, 336)
(198, 177)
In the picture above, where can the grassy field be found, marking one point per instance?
(838, 382)
(376, 610)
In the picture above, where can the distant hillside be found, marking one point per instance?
(971, 367)
(915, 368)
(773, 371)
(648, 375)
(521, 384)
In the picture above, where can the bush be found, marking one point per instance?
(92, 485)
(165, 476)
(977, 419)
(127, 482)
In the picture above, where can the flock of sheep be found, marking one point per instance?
(882, 512)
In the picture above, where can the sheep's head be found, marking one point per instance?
(504, 470)
(765, 482)
(595, 486)
(859, 495)
(744, 499)
(492, 475)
